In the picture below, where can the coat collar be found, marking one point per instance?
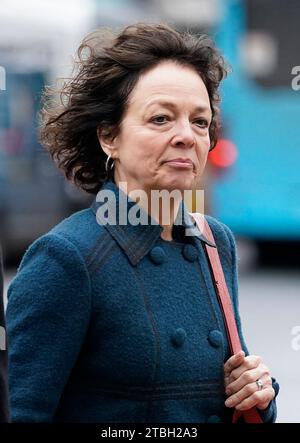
(137, 240)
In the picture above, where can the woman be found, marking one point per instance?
(111, 321)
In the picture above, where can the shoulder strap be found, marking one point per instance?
(221, 287)
(251, 415)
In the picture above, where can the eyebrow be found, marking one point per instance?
(169, 104)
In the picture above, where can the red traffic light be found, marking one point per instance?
(224, 154)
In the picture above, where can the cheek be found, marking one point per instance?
(206, 142)
(203, 150)
(150, 147)
(141, 150)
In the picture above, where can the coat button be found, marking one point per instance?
(178, 337)
(214, 419)
(215, 338)
(190, 252)
(157, 255)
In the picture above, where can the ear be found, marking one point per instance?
(107, 141)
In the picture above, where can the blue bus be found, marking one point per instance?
(258, 193)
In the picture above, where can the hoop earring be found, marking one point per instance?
(107, 167)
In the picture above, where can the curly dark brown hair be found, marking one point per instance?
(108, 68)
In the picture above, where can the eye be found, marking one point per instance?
(202, 123)
(159, 119)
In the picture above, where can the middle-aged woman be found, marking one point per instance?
(119, 322)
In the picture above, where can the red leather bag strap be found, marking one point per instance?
(251, 415)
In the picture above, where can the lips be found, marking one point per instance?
(180, 162)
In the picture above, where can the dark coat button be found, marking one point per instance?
(190, 252)
(215, 338)
(214, 419)
(178, 337)
(157, 255)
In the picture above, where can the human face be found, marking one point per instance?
(163, 141)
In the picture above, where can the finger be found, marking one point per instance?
(245, 392)
(233, 362)
(250, 362)
(258, 398)
(263, 406)
(247, 377)
(241, 395)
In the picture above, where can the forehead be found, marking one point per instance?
(169, 80)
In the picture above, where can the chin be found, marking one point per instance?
(180, 183)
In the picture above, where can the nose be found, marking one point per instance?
(184, 136)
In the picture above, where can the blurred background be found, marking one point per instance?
(252, 181)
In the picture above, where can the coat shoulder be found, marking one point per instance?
(73, 241)
(82, 230)
(222, 233)
(80, 227)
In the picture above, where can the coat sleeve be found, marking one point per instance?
(269, 414)
(4, 412)
(48, 314)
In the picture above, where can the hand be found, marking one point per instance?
(240, 374)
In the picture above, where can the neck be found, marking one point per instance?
(171, 216)
(162, 208)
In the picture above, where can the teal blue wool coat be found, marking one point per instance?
(114, 324)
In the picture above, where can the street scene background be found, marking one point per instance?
(252, 180)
